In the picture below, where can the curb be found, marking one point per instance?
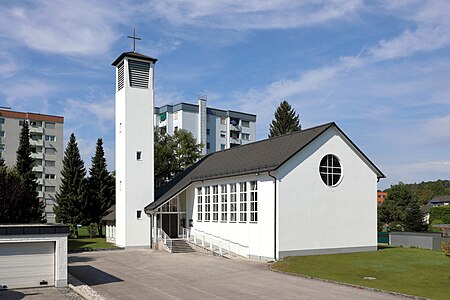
(95, 249)
(349, 285)
(83, 289)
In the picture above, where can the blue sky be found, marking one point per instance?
(379, 69)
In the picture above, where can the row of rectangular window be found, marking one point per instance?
(208, 202)
(48, 125)
(223, 121)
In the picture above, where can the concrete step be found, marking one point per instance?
(180, 246)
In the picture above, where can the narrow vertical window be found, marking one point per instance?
(199, 204)
(207, 203)
(139, 155)
(253, 201)
(233, 202)
(243, 202)
(223, 202)
(139, 214)
(215, 203)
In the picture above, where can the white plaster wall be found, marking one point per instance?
(60, 252)
(134, 179)
(259, 236)
(314, 216)
(189, 122)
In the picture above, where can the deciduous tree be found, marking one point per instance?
(173, 154)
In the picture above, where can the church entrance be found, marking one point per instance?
(170, 224)
(171, 217)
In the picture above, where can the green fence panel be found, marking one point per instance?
(383, 237)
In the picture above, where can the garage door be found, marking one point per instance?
(27, 264)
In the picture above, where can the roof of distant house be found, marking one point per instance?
(262, 156)
(441, 199)
(111, 216)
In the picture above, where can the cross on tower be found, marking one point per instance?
(134, 39)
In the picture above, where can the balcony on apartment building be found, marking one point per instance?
(37, 155)
(36, 142)
(40, 181)
(37, 130)
(234, 125)
(38, 169)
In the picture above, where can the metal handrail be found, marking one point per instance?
(164, 237)
(214, 244)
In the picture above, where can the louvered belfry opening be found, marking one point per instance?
(120, 79)
(139, 72)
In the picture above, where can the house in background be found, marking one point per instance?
(436, 201)
(46, 139)
(381, 196)
(305, 193)
(216, 129)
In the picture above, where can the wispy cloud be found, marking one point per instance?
(8, 65)
(253, 14)
(63, 27)
(86, 114)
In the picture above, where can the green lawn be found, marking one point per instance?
(412, 271)
(85, 242)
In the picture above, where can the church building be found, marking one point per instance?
(304, 193)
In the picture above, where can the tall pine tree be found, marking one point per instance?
(286, 120)
(32, 208)
(101, 188)
(72, 190)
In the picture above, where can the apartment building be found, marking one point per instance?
(216, 129)
(46, 139)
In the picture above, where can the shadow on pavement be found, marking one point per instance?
(75, 259)
(11, 295)
(92, 276)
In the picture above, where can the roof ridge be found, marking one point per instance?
(276, 137)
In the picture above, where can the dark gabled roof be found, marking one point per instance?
(262, 156)
(111, 216)
(440, 199)
(134, 55)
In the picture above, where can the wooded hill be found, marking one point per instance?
(425, 191)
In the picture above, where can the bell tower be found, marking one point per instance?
(134, 147)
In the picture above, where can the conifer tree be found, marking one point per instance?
(285, 121)
(71, 196)
(101, 188)
(32, 209)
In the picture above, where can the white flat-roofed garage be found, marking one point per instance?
(33, 256)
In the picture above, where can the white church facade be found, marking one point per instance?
(309, 192)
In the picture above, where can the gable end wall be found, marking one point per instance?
(316, 219)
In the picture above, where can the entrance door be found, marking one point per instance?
(170, 224)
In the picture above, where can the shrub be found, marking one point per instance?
(92, 230)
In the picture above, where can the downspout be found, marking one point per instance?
(151, 231)
(274, 216)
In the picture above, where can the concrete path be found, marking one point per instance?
(148, 274)
(45, 293)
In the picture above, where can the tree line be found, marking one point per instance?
(84, 199)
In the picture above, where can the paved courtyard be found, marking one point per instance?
(148, 274)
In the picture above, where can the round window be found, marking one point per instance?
(330, 170)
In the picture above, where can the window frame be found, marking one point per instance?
(330, 166)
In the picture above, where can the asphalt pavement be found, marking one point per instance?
(149, 274)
